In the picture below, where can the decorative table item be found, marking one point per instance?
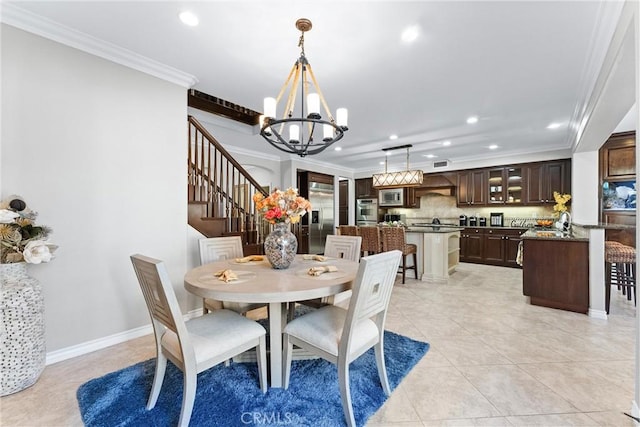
(22, 339)
(281, 208)
(281, 246)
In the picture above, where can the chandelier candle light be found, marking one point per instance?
(303, 135)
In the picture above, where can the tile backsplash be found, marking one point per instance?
(444, 208)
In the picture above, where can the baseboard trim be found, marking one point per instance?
(104, 342)
(597, 314)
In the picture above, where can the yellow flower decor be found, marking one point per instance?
(561, 203)
(282, 206)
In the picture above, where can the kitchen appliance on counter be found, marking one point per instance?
(321, 221)
(482, 222)
(390, 197)
(463, 220)
(473, 221)
(366, 212)
(496, 219)
(393, 218)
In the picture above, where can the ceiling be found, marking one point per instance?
(517, 66)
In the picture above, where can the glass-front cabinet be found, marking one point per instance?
(505, 185)
(514, 185)
(496, 185)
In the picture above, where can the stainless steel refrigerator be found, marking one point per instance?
(321, 222)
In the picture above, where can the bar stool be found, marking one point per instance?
(394, 238)
(370, 240)
(608, 244)
(620, 270)
(347, 230)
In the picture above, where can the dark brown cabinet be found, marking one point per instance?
(555, 273)
(505, 186)
(542, 179)
(472, 188)
(618, 157)
(365, 190)
(493, 246)
(511, 242)
(500, 246)
(618, 170)
(471, 245)
(343, 202)
(518, 185)
(411, 200)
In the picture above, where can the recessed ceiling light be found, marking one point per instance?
(393, 137)
(410, 34)
(382, 163)
(554, 125)
(430, 156)
(472, 120)
(338, 148)
(189, 18)
(493, 147)
(446, 143)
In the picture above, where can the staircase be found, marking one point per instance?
(220, 192)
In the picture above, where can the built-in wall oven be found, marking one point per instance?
(366, 212)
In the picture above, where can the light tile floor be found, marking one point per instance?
(494, 360)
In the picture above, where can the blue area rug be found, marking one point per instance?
(230, 396)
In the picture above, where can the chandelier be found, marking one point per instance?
(309, 133)
(407, 178)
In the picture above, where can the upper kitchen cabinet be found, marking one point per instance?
(542, 179)
(618, 157)
(505, 185)
(618, 186)
(365, 190)
(411, 198)
(472, 188)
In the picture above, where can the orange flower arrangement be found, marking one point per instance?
(282, 206)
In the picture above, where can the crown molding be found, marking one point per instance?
(15, 16)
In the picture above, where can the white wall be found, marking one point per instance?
(99, 151)
(585, 206)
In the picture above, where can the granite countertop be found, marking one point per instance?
(434, 228)
(553, 234)
(609, 226)
(496, 227)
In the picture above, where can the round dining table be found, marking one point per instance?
(258, 282)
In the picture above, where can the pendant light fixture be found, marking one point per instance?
(309, 132)
(406, 178)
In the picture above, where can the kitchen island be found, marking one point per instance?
(555, 269)
(438, 250)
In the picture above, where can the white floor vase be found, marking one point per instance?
(22, 339)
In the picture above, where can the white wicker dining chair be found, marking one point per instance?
(220, 248)
(341, 336)
(196, 345)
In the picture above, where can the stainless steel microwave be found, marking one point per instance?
(391, 197)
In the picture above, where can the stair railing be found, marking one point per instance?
(225, 189)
